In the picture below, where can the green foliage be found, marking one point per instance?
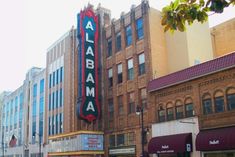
(181, 12)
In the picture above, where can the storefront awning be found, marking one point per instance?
(177, 143)
(217, 139)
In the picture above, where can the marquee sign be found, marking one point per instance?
(88, 104)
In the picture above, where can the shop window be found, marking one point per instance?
(118, 42)
(179, 112)
(131, 103)
(128, 35)
(110, 77)
(120, 105)
(170, 114)
(161, 114)
(141, 64)
(119, 73)
(120, 140)
(109, 47)
(219, 101)
(230, 95)
(130, 69)
(112, 141)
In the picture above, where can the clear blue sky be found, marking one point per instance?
(29, 27)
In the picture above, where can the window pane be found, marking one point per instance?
(189, 110)
(219, 104)
(130, 75)
(207, 106)
(110, 77)
(141, 58)
(179, 112)
(120, 105)
(143, 97)
(112, 140)
(119, 68)
(118, 41)
(120, 140)
(128, 35)
(161, 115)
(109, 49)
(170, 115)
(141, 64)
(130, 63)
(231, 101)
(131, 103)
(139, 28)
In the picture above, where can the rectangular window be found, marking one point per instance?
(131, 138)
(57, 99)
(118, 42)
(179, 112)
(61, 97)
(53, 80)
(34, 90)
(141, 64)
(128, 35)
(42, 86)
(219, 104)
(120, 140)
(131, 103)
(170, 114)
(61, 74)
(110, 77)
(57, 76)
(61, 122)
(231, 101)
(111, 109)
(49, 102)
(56, 124)
(53, 126)
(120, 105)
(112, 141)
(130, 69)
(119, 69)
(207, 106)
(53, 101)
(49, 128)
(161, 115)
(109, 48)
(143, 98)
(139, 28)
(189, 110)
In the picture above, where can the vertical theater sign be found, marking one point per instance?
(88, 104)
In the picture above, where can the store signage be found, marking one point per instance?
(92, 142)
(88, 106)
(165, 147)
(123, 150)
(214, 142)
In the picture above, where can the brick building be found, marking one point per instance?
(197, 107)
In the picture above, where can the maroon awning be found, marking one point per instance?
(217, 139)
(177, 143)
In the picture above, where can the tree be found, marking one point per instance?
(180, 12)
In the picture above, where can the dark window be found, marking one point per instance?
(231, 101)
(120, 105)
(161, 115)
(120, 140)
(61, 74)
(143, 98)
(131, 103)
(130, 69)
(42, 86)
(112, 140)
(207, 106)
(139, 29)
(61, 97)
(170, 114)
(118, 42)
(50, 80)
(53, 80)
(141, 64)
(128, 35)
(109, 47)
(219, 104)
(179, 112)
(110, 77)
(119, 73)
(189, 112)
(111, 109)
(57, 76)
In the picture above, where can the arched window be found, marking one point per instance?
(161, 113)
(230, 96)
(207, 104)
(170, 111)
(179, 109)
(219, 101)
(189, 109)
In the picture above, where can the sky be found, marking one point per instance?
(29, 27)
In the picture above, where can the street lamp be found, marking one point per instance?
(40, 136)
